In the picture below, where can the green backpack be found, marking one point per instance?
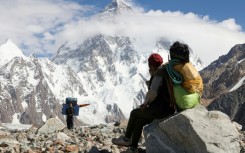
(183, 99)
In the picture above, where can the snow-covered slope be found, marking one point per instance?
(109, 68)
(32, 90)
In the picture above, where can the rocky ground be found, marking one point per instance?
(242, 141)
(90, 139)
(84, 139)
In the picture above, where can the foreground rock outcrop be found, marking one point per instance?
(194, 130)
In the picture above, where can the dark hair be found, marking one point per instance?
(180, 51)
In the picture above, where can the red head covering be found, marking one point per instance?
(155, 60)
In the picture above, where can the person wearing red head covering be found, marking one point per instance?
(156, 105)
(155, 60)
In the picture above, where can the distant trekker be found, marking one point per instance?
(69, 119)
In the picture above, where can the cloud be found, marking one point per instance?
(230, 24)
(209, 39)
(28, 22)
(44, 26)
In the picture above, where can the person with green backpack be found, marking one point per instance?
(185, 80)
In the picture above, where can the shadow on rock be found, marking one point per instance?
(94, 149)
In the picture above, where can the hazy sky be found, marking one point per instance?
(210, 28)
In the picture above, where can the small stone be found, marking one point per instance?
(71, 148)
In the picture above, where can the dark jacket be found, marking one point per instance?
(69, 112)
(162, 104)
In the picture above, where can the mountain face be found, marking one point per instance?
(109, 67)
(98, 52)
(32, 89)
(226, 72)
(226, 84)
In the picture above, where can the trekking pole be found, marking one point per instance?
(83, 105)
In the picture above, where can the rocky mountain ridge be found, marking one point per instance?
(225, 87)
(226, 72)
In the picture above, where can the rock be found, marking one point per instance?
(9, 141)
(71, 148)
(237, 126)
(117, 123)
(51, 125)
(59, 141)
(61, 136)
(97, 138)
(193, 130)
(4, 134)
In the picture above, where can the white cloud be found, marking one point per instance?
(60, 21)
(208, 38)
(35, 28)
(230, 24)
(28, 22)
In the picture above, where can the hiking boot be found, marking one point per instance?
(121, 141)
(131, 150)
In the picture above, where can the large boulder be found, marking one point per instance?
(52, 125)
(191, 131)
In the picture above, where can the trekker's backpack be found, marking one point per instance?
(186, 83)
(66, 105)
(71, 100)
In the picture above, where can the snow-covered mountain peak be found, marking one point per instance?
(117, 7)
(9, 50)
(8, 41)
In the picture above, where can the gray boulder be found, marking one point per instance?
(191, 131)
(52, 125)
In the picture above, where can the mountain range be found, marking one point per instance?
(108, 72)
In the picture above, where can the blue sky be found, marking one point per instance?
(42, 26)
(215, 9)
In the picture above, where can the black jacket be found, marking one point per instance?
(162, 104)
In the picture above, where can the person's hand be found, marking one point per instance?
(143, 107)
